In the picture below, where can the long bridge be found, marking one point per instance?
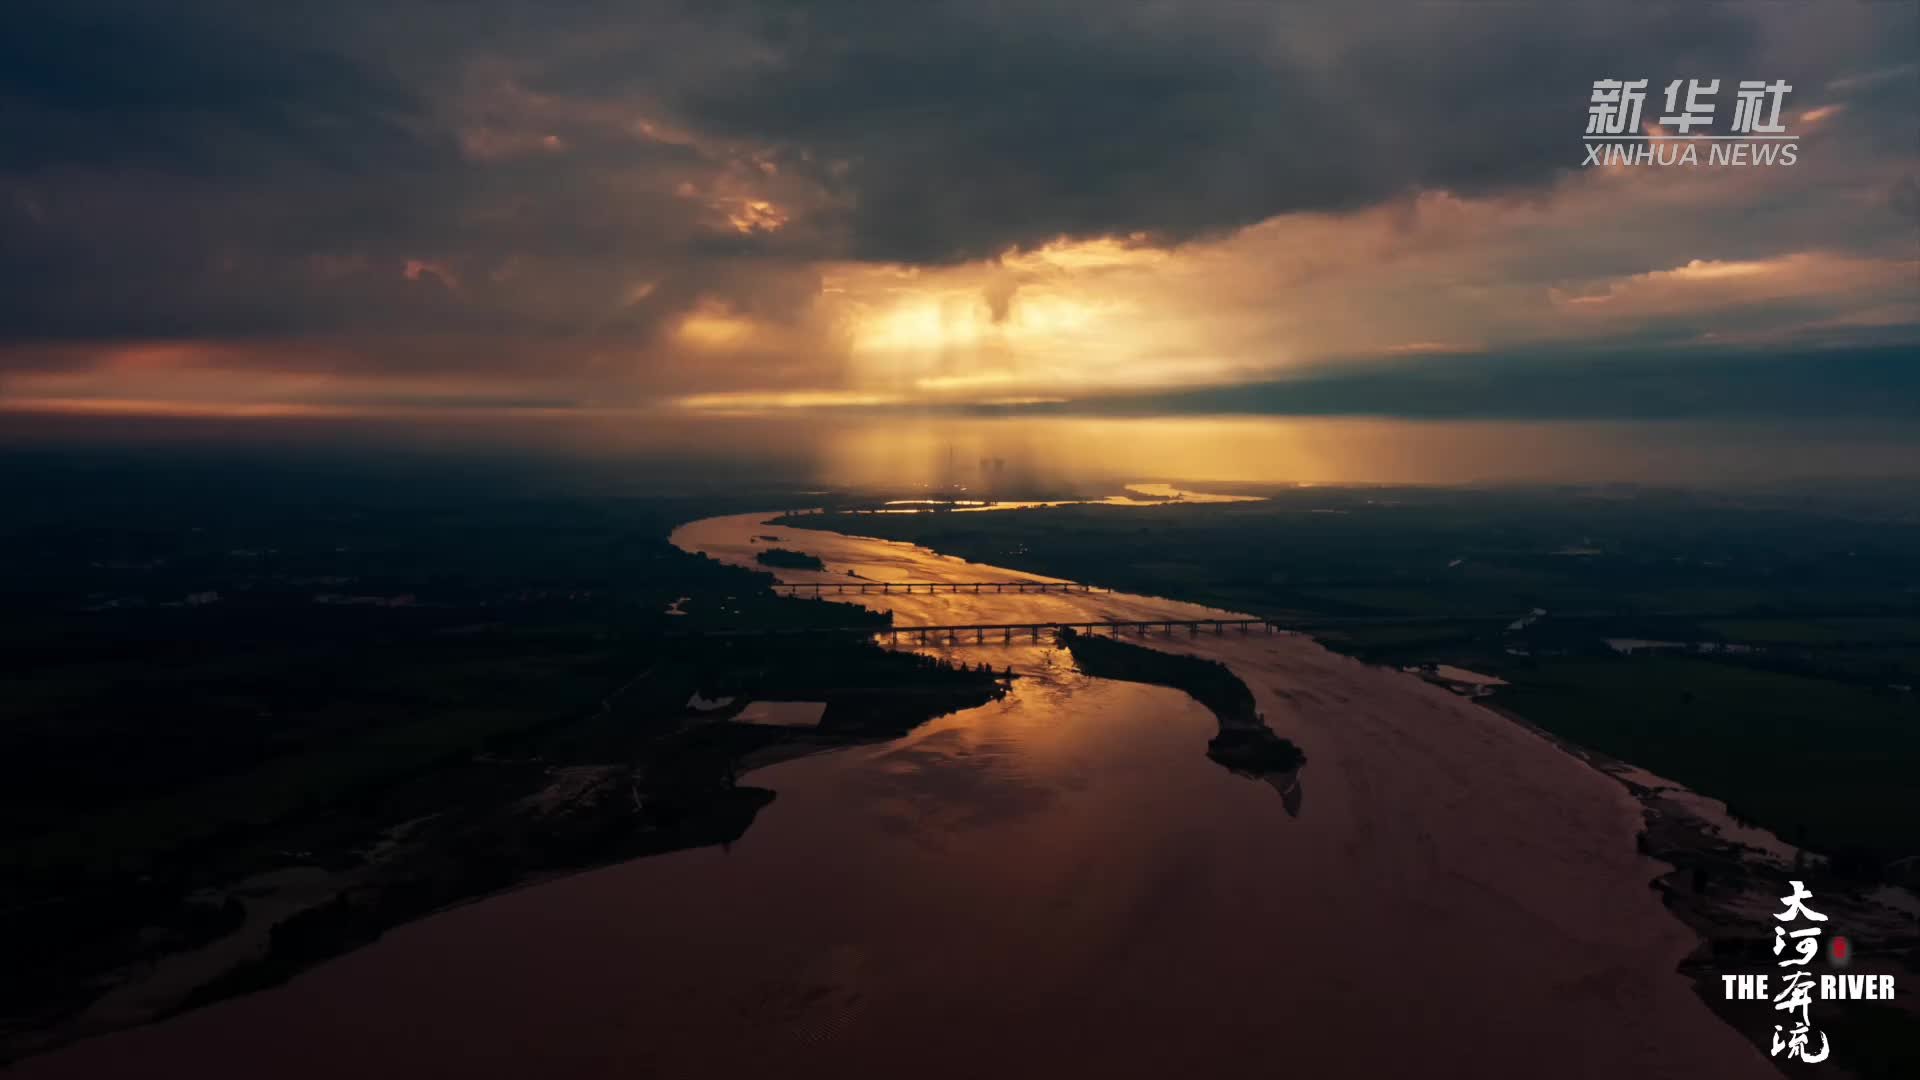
(985, 633)
(818, 588)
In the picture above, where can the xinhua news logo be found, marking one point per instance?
(1755, 134)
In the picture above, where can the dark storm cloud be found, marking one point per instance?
(967, 129)
(1638, 381)
(376, 172)
(93, 83)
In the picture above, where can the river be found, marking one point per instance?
(1057, 883)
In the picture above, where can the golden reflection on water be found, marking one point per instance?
(1058, 883)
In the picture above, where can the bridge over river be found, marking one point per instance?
(1170, 917)
(822, 587)
(1004, 630)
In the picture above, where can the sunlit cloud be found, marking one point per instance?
(749, 401)
(696, 215)
(1700, 286)
(750, 216)
(1813, 118)
(201, 410)
(715, 328)
(1430, 348)
(420, 269)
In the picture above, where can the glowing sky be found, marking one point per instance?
(599, 209)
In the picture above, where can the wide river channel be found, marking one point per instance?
(1057, 884)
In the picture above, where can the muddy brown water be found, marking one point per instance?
(1059, 883)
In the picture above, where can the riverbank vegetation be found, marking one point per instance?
(788, 559)
(273, 725)
(1245, 744)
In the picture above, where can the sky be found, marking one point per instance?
(597, 215)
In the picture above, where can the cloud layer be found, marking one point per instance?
(743, 207)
